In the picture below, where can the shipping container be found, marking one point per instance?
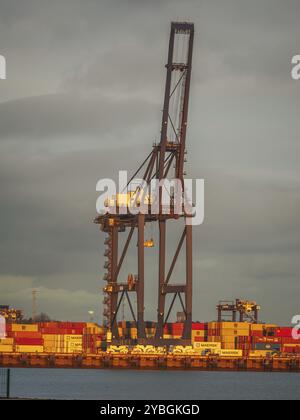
(267, 346)
(199, 339)
(257, 327)
(29, 349)
(228, 346)
(235, 332)
(234, 325)
(199, 333)
(6, 340)
(24, 327)
(27, 334)
(29, 341)
(259, 353)
(267, 340)
(284, 332)
(256, 333)
(199, 326)
(229, 353)
(289, 340)
(6, 348)
(206, 346)
(291, 350)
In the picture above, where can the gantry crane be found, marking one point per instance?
(247, 310)
(165, 161)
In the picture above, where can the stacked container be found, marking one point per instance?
(232, 334)
(199, 332)
(6, 345)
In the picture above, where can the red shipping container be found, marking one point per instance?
(8, 327)
(29, 341)
(290, 340)
(201, 326)
(284, 332)
(71, 325)
(291, 350)
(27, 334)
(177, 325)
(256, 334)
(199, 339)
(48, 324)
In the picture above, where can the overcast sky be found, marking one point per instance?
(83, 99)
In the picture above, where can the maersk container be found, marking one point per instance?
(206, 345)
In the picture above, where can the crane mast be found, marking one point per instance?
(165, 161)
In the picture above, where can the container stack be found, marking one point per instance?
(53, 337)
(127, 330)
(6, 345)
(224, 338)
(26, 338)
(62, 337)
(93, 338)
(199, 332)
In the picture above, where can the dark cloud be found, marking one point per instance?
(83, 99)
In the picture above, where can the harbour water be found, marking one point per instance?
(163, 385)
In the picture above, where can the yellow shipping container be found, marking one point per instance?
(133, 333)
(291, 345)
(72, 350)
(6, 341)
(213, 339)
(228, 346)
(50, 349)
(92, 328)
(259, 353)
(6, 348)
(257, 327)
(29, 349)
(206, 346)
(72, 337)
(198, 333)
(213, 325)
(235, 333)
(53, 337)
(230, 353)
(24, 327)
(234, 325)
(228, 339)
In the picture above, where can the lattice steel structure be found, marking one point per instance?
(166, 161)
